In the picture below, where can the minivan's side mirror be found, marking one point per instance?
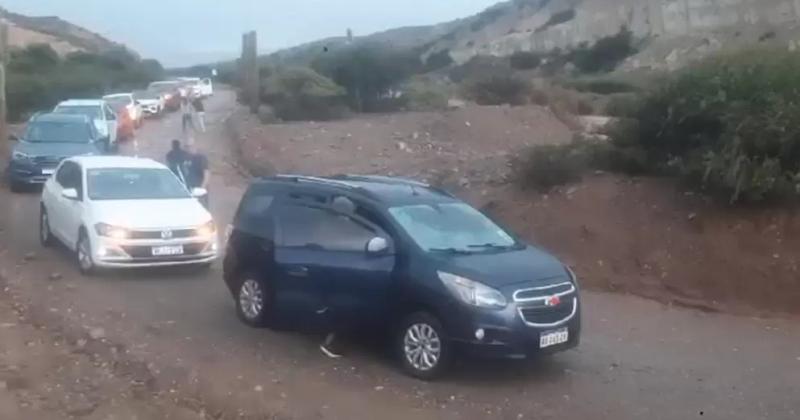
(377, 245)
(70, 193)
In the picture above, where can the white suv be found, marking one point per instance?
(105, 119)
(118, 212)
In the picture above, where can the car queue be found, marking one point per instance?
(346, 254)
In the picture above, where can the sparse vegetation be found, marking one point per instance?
(601, 86)
(486, 18)
(605, 54)
(300, 93)
(438, 60)
(525, 60)
(558, 18)
(498, 90)
(422, 93)
(729, 124)
(481, 66)
(38, 78)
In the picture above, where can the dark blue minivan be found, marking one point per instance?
(356, 253)
(47, 140)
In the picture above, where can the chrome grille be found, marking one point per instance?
(547, 305)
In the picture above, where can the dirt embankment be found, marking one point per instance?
(640, 236)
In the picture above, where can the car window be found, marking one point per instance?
(256, 205)
(62, 176)
(69, 176)
(312, 227)
(58, 132)
(110, 115)
(91, 111)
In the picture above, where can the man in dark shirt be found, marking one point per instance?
(176, 158)
(196, 171)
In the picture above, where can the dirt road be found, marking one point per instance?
(637, 359)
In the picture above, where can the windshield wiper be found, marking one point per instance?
(452, 251)
(491, 245)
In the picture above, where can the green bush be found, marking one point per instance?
(300, 93)
(498, 90)
(730, 123)
(525, 60)
(438, 60)
(606, 54)
(38, 78)
(425, 94)
(546, 166)
(601, 86)
(481, 66)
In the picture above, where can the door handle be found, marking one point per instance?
(298, 271)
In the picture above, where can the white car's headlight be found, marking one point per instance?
(473, 293)
(208, 229)
(110, 231)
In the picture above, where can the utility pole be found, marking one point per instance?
(249, 71)
(4, 146)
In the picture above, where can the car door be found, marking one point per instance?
(53, 201)
(72, 209)
(341, 282)
(111, 122)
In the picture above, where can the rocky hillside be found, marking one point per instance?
(63, 36)
(671, 32)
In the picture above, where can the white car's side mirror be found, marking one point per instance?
(199, 192)
(70, 193)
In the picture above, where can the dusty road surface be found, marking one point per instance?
(167, 344)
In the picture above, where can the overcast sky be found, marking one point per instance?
(182, 32)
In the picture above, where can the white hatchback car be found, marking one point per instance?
(118, 212)
(105, 119)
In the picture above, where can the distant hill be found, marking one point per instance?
(62, 36)
(671, 32)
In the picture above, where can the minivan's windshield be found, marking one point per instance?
(58, 132)
(93, 111)
(134, 184)
(118, 100)
(451, 227)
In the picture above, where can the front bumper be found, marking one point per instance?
(110, 253)
(507, 333)
(32, 174)
(152, 109)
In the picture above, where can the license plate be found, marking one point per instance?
(48, 171)
(160, 251)
(551, 338)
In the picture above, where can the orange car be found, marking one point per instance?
(126, 126)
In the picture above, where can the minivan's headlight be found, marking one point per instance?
(109, 231)
(472, 292)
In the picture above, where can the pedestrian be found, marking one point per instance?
(186, 116)
(176, 158)
(196, 171)
(200, 112)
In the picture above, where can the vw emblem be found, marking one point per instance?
(166, 234)
(552, 301)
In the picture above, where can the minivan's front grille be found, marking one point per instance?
(539, 292)
(549, 315)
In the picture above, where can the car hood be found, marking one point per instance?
(501, 269)
(61, 150)
(148, 101)
(150, 214)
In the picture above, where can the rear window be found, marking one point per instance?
(91, 111)
(117, 101)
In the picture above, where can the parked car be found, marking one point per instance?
(361, 252)
(123, 212)
(105, 119)
(132, 107)
(48, 139)
(171, 91)
(126, 127)
(152, 103)
(200, 87)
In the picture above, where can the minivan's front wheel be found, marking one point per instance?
(83, 254)
(253, 301)
(45, 236)
(422, 346)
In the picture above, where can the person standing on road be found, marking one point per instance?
(200, 112)
(186, 116)
(176, 158)
(196, 171)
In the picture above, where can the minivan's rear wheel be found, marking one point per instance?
(83, 254)
(45, 236)
(422, 346)
(253, 301)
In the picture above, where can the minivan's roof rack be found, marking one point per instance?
(391, 181)
(315, 179)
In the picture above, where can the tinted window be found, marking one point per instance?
(118, 101)
(134, 184)
(318, 228)
(256, 205)
(58, 132)
(69, 176)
